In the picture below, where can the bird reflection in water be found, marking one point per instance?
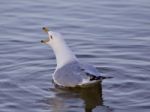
(71, 99)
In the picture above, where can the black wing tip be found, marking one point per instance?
(99, 78)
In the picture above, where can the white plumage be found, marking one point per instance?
(69, 71)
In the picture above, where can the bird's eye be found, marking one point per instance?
(51, 37)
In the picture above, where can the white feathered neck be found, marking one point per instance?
(62, 52)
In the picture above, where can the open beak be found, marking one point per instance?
(45, 29)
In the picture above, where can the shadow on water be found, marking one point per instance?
(89, 98)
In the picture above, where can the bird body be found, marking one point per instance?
(69, 72)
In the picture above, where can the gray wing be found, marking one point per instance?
(92, 72)
(90, 69)
(69, 75)
(76, 73)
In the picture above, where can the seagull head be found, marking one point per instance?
(63, 53)
(53, 38)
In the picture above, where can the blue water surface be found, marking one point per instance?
(113, 35)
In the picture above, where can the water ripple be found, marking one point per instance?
(112, 35)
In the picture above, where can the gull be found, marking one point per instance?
(69, 72)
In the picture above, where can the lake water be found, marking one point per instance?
(113, 35)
